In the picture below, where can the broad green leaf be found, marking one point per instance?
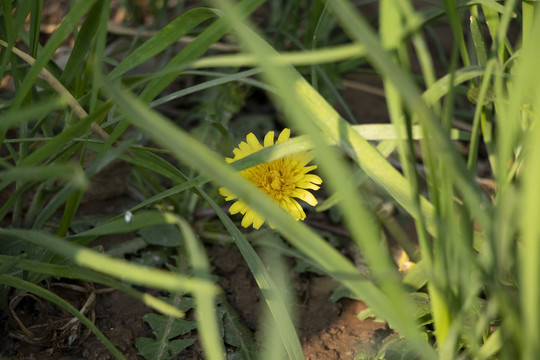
(236, 334)
(163, 235)
(167, 328)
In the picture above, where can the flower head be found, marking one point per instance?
(284, 180)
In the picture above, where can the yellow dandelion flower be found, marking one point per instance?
(284, 180)
(404, 263)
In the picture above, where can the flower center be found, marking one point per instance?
(277, 184)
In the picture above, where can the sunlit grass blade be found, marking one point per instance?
(122, 269)
(527, 90)
(308, 57)
(205, 305)
(74, 272)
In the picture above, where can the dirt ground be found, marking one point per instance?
(327, 330)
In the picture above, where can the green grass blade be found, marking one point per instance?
(442, 86)
(455, 23)
(12, 117)
(528, 91)
(14, 22)
(309, 57)
(163, 39)
(66, 136)
(56, 171)
(98, 53)
(77, 11)
(225, 78)
(193, 51)
(35, 22)
(82, 45)
(478, 41)
(127, 223)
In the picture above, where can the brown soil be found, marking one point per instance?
(327, 330)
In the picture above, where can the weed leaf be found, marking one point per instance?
(165, 328)
(148, 348)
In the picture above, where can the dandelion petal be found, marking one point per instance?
(305, 196)
(269, 139)
(284, 135)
